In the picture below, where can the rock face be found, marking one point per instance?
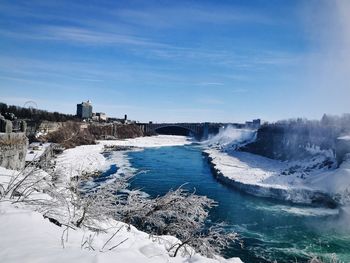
(290, 142)
(13, 149)
(342, 148)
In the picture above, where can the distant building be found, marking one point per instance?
(102, 116)
(99, 116)
(84, 110)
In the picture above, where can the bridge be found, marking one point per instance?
(197, 130)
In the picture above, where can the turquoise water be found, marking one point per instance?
(270, 230)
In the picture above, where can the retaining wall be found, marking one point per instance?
(13, 150)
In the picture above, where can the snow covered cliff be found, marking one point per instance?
(303, 178)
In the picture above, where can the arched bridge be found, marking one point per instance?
(198, 130)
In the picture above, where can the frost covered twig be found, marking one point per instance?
(178, 213)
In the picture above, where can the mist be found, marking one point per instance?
(327, 67)
(230, 137)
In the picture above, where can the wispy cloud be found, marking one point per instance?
(79, 35)
(87, 36)
(210, 101)
(191, 15)
(154, 14)
(238, 90)
(211, 84)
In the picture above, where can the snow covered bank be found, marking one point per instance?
(265, 177)
(153, 141)
(89, 158)
(28, 237)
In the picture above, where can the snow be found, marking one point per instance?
(28, 236)
(152, 141)
(5, 177)
(345, 137)
(6, 172)
(36, 150)
(85, 158)
(315, 150)
(244, 167)
(335, 181)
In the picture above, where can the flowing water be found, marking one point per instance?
(270, 230)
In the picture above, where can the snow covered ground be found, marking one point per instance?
(253, 169)
(36, 150)
(28, 237)
(152, 141)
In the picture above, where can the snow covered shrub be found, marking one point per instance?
(182, 214)
(96, 204)
(21, 185)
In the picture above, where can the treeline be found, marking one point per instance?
(116, 131)
(71, 134)
(289, 139)
(33, 114)
(337, 125)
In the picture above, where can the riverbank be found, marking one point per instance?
(31, 237)
(89, 158)
(265, 177)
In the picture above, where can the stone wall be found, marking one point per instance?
(13, 149)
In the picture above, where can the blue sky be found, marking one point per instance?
(178, 60)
